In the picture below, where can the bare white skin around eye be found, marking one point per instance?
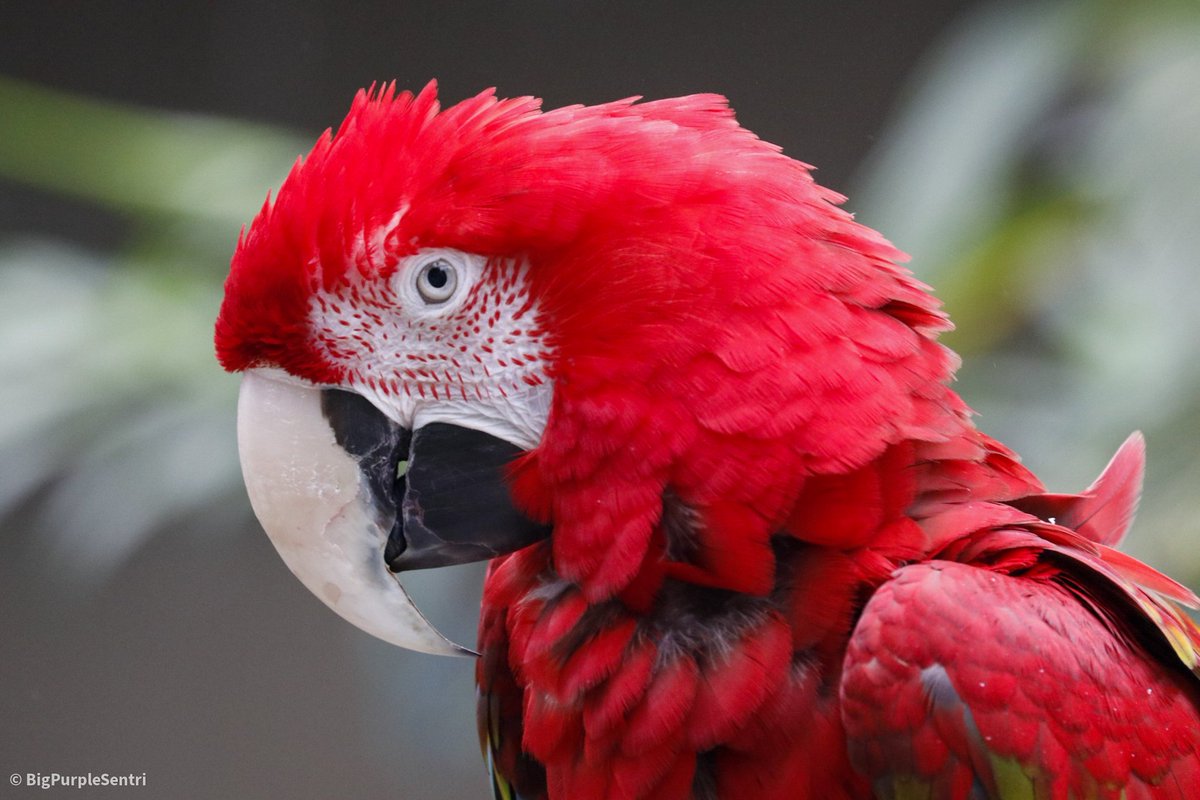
(450, 337)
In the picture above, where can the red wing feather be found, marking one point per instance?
(962, 682)
(1104, 511)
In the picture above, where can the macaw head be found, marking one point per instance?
(635, 329)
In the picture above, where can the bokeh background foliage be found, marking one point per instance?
(1041, 163)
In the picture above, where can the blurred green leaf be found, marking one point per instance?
(136, 161)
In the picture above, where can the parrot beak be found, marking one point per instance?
(348, 498)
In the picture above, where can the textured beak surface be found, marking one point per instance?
(315, 499)
(455, 507)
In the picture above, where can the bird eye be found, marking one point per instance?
(436, 281)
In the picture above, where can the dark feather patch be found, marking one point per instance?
(704, 784)
(594, 620)
(681, 528)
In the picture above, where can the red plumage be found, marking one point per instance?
(783, 563)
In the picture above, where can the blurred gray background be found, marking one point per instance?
(1040, 162)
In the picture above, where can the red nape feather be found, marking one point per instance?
(665, 771)
(664, 708)
(736, 683)
(849, 509)
(605, 711)
(601, 658)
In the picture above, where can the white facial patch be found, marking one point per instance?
(448, 337)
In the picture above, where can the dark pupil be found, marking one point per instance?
(437, 277)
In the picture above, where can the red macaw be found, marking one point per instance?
(745, 541)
